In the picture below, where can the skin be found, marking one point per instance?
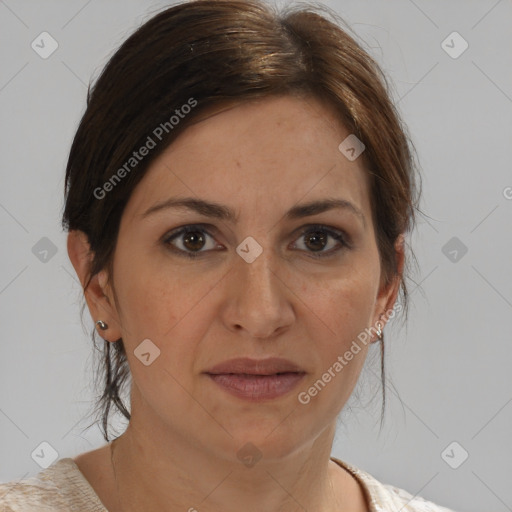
(180, 448)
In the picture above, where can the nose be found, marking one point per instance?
(258, 297)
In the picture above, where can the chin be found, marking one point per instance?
(269, 438)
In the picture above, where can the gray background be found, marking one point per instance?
(449, 375)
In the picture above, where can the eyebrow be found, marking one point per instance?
(222, 212)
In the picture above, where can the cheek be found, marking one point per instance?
(339, 355)
(345, 307)
(155, 296)
(343, 299)
(157, 308)
(170, 308)
(346, 311)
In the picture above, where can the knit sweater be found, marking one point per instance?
(63, 488)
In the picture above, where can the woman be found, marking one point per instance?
(237, 196)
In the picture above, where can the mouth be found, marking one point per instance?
(245, 365)
(256, 380)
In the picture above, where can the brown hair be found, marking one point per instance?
(215, 51)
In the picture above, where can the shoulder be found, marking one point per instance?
(409, 503)
(58, 488)
(388, 498)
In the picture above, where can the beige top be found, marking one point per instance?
(63, 488)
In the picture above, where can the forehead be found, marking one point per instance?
(275, 151)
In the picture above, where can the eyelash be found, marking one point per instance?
(336, 234)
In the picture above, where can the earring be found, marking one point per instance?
(379, 332)
(102, 324)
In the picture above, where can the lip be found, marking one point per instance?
(256, 379)
(269, 366)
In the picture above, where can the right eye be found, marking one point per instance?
(191, 240)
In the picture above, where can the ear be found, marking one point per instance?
(388, 293)
(98, 295)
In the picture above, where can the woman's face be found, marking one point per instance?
(263, 283)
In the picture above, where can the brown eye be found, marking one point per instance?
(193, 240)
(190, 241)
(317, 238)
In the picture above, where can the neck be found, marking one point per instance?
(157, 469)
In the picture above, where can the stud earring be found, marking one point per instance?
(103, 326)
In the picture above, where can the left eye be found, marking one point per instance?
(318, 236)
(193, 241)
